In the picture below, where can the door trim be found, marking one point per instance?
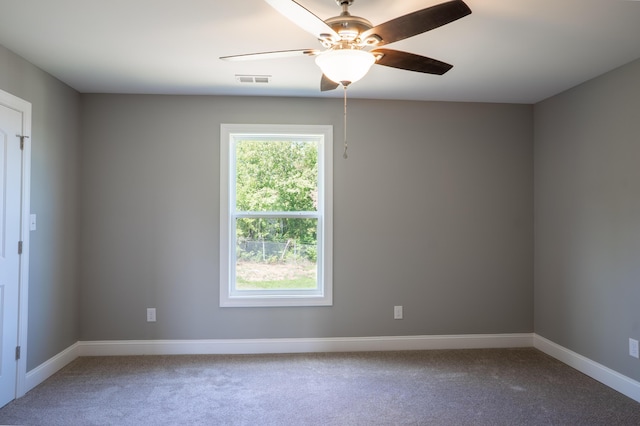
(24, 108)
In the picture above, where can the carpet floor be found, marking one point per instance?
(443, 387)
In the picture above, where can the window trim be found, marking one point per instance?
(321, 297)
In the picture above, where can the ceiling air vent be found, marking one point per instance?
(253, 78)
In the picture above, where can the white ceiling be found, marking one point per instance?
(517, 51)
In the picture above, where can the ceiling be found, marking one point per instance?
(515, 51)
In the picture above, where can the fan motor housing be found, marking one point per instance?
(349, 27)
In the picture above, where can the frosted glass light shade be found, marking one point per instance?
(345, 66)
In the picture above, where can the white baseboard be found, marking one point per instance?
(299, 345)
(599, 372)
(48, 368)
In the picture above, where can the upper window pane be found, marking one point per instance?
(276, 175)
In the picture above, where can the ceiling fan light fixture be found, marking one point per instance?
(345, 66)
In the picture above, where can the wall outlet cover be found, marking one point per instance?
(634, 350)
(397, 312)
(151, 314)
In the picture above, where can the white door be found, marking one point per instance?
(10, 211)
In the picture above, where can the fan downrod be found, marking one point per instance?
(344, 4)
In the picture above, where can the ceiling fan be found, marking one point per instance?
(352, 44)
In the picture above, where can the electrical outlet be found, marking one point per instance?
(151, 314)
(397, 312)
(633, 348)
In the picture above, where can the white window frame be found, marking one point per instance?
(229, 296)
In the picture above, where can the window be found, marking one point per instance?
(276, 215)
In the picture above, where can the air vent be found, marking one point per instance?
(262, 79)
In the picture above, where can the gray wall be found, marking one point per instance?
(446, 186)
(587, 218)
(53, 281)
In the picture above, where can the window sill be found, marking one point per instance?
(276, 301)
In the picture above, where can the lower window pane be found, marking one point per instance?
(275, 254)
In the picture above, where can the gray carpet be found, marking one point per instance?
(463, 387)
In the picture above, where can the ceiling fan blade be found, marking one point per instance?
(417, 22)
(271, 55)
(304, 18)
(327, 84)
(410, 62)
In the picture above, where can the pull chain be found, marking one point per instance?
(345, 156)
